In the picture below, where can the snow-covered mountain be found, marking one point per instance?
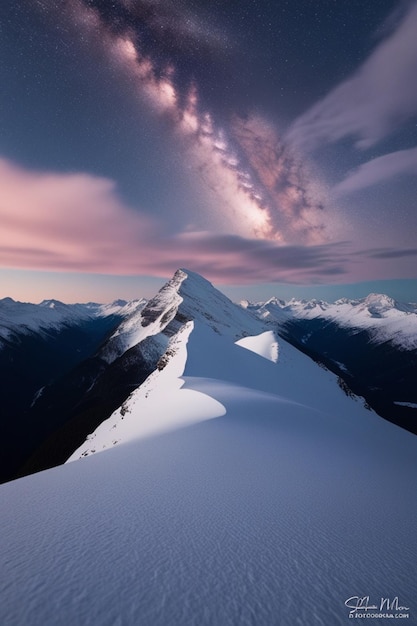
(186, 296)
(370, 343)
(385, 319)
(237, 483)
(39, 345)
(201, 333)
(23, 318)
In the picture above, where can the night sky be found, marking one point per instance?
(270, 146)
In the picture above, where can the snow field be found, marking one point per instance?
(262, 516)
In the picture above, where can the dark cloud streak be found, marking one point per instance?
(389, 253)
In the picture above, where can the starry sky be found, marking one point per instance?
(270, 146)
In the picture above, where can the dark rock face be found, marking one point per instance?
(30, 367)
(59, 389)
(380, 372)
(81, 400)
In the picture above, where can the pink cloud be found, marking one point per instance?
(77, 222)
(63, 221)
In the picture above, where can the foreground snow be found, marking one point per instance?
(267, 516)
(292, 500)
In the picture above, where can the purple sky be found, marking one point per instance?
(139, 137)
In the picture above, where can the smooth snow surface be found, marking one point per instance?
(265, 345)
(270, 515)
(292, 500)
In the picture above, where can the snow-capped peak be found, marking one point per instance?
(201, 301)
(382, 316)
(186, 296)
(378, 304)
(52, 304)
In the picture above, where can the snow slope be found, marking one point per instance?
(261, 494)
(384, 318)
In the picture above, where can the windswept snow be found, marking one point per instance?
(272, 514)
(265, 344)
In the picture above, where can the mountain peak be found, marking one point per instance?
(190, 296)
(52, 304)
(187, 296)
(119, 302)
(7, 301)
(380, 299)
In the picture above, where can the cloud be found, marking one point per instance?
(391, 253)
(373, 102)
(58, 221)
(379, 170)
(77, 222)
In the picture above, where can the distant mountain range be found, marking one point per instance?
(67, 368)
(384, 319)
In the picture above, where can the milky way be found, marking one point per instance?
(259, 187)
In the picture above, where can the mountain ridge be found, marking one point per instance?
(135, 339)
(235, 483)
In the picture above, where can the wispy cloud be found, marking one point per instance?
(77, 222)
(379, 170)
(374, 101)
